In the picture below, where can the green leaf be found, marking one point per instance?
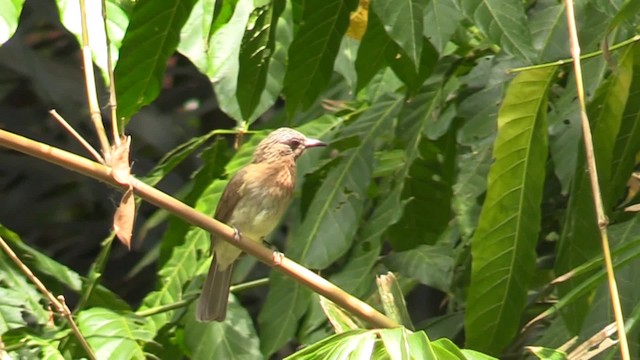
(579, 240)
(286, 303)
(151, 38)
(504, 23)
(235, 338)
(206, 18)
(429, 264)
(258, 44)
(547, 354)
(550, 32)
(441, 19)
(327, 230)
(114, 335)
(627, 143)
(371, 54)
(402, 66)
(11, 302)
(9, 15)
(503, 246)
(392, 299)
(471, 182)
(313, 50)
(354, 344)
(403, 21)
(117, 22)
(174, 157)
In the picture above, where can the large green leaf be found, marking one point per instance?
(313, 50)
(550, 32)
(331, 221)
(9, 15)
(429, 264)
(627, 144)
(258, 44)
(403, 21)
(235, 338)
(503, 246)
(117, 22)
(441, 18)
(504, 23)
(579, 240)
(371, 54)
(114, 335)
(152, 36)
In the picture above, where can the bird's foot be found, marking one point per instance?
(236, 234)
(277, 258)
(269, 245)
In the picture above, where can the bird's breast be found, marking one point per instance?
(263, 202)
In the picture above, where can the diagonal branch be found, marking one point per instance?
(154, 196)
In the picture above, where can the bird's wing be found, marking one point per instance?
(230, 198)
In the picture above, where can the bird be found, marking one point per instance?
(253, 202)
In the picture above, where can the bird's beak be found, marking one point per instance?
(308, 143)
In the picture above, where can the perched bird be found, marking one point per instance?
(252, 203)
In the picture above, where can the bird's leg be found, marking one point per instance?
(277, 255)
(236, 234)
(277, 258)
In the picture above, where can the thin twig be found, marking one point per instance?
(90, 85)
(595, 186)
(582, 57)
(189, 299)
(113, 104)
(58, 303)
(154, 196)
(74, 133)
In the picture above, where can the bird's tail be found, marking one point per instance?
(212, 304)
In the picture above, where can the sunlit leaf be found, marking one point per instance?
(503, 246)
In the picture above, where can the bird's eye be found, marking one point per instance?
(294, 144)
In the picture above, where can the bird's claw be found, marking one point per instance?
(236, 234)
(277, 258)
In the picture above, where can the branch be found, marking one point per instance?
(58, 303)
(595, 185)
(154, 196)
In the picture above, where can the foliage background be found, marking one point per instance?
(463, 177)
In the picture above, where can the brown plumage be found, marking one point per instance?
(253, 202)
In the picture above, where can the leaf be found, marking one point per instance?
(286, 303)
(205, 19)
(313, 50)
(114, 335)
(235, 338)
(392, 299)
(579, 240)
(258, 44)
(627, 143)
(371, 52)
(503, 246)
(471, 182)
(11, 307)
(504, 23)
(117, 22)
(124, 218)
(546, 353)
(441, 19)
(354, 344)
(340, 320)
(10, 14)
(429, 264)
(151, 38)
(174, 157)
(403, 68)
(550, 32)
(403, 21)
(327, 231)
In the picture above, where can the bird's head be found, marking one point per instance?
(283, 143)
